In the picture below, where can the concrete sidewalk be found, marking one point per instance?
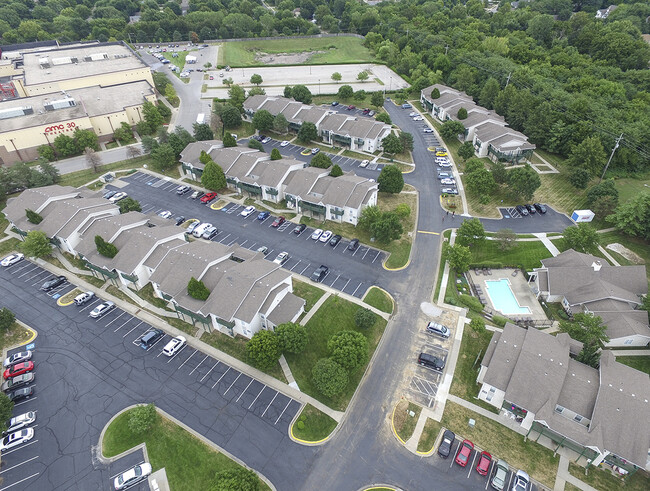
(548, 244)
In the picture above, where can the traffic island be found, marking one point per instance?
(312, 427)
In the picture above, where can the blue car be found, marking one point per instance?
(263, 215)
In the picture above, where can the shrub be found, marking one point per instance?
(33, 217)
(329, 377)
(364, 318)
(7, 319)
(300, 425)
(236, 479)
(477, 324)
(142, 418)
(499, 321)
(255, 144)
(106, 249)
(197, 289)
(292, 337)
(264, 349)
(471, 302)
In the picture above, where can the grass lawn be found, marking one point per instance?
(641, 363)
(502, 443)
(15, 335)
(526, 254)
(604, 480)
(189, 463)
(148, 295)
(635, 244)
(342, 49)
(429, 434)
(313, 425)
(115, 291)
(629, 188)
(179, 61)
(472, 349)
(81, 177)
(379, 299)
(7, 246)
(309, 293)
(446, 235)
(236, 347)
(336, 314)
(93, 280)
(403, 422)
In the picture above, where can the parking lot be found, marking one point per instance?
(352, 272)
(88, 369)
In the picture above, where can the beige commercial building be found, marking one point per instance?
(53, 90)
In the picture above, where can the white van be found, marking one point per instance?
(441, 160)
(200, 230)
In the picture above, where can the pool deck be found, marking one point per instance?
(519, 286)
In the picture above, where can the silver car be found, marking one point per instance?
(438, 329)
(19, 422)
(500, 475)
(102, 309)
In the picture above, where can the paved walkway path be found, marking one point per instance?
(563, 476)
(608, 256)
(632, 352)
(314, 308)
(548, 243)
(412, 443)
(287, 373)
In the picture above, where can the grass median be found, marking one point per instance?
(309, 293)
(429, 434)
(379, 299)
(313, 425)
(189, 463)
(403, 422)
(14, 336)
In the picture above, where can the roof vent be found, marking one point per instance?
(596, 265)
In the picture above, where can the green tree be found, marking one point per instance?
(202, 131)
(6, 411)
(391, 144)
(459, 258)
(489, 93)
(466, 150)
(345, 92)
(263, 120)
(377, 99)
(280, 123)
(406, 139)
(523, 182)
(301, 94)
(605, 188)
(384, 118)
(369, 216)
(477, 324)
(46, 151)
(590, 354)
(583, 237)
(33, 217)
(336, 171)
(359, 95)
(329, 377)
(275, 154)
(362, 76)
(85, 139)
(348, 348)
(307, 132)
(164, 157)
(481, 182)
(213, 177)
(236, 479)
(321, 161)
(387, 228)
(264, 349)
(390, 180)
(230, 116)
(229, 140)
(585, 328)
(470, 232)
(7, 319)
(106, 249)
(364, 318)
(499, 172)
(541, 28)
(142, 418)
(579, 178)
(65, 146)
(152, 117)
(124, 132)
(237, 96)
(256, 91)
(256, 79)
(197, 289)
(336, 76)
(588, 155)
(633, 217)
(129, 204)
(462, 113)
(36, 244)
(256, 145)
(451, 129)
(292, 337)
(506, 238)
(435, 93)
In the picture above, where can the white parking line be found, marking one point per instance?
(355, 251)
(364, 256)
(256, 397)
(96, 302)
(174, 355)
(249, 384)
(209, 371)
(222, 375)
(285, 408)
(378, 252)
(304, 269)
(115, 318)
(471, 466)
(25, 401)
(132, 331)
(47, 274)
(28, 271)
(296, 265)
(188, 359)
(126, 324)
(197, 366)
(20, 448)
(233, 383)
(345, 286)
(21, 267)
(18, 465)
(267, 407)
(332, 285)
(454, 459)
(355, 290)
(489, 474)
(22, 480)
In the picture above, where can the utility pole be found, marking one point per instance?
(618, 141)
(508, 80)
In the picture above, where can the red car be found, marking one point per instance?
(208, 197)
(351, 107)
(278, 221)
(24, 367)
(465, 450)
(484, 462)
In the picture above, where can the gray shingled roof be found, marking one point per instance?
(192, 152)
(299, 183)
(70, 212)
(286, 310)
(580, 389)
(252, 103)
(271, 172)
(504, 358)
(139, 243)
(34, 199)
(227, 157)
(346, 190)
(623, 324)
(107, 228)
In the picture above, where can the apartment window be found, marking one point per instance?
(559, 409)
(628, 341)
(578, 418)
(491, 393)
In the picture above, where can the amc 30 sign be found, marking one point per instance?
(57, 129)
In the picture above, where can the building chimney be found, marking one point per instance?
(596, 265)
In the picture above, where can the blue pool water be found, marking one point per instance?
(502, 297)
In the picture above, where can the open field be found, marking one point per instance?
(525, 254)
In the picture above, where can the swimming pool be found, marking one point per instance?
(503, 298)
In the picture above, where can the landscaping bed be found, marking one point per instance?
(403, 422)
(14, 336)
(313, 425)
(429, 434)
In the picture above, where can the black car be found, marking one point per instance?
(447, 442)
(150, 338)
(335, 240)
(51, 284)
(531, 209)
(430, 361)
(320, 273)
(522, 210)
(540, 208)
(298, 230)
(20, 394)
(179, 220)
(352, 246)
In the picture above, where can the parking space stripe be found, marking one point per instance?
(285, 408)
(263, 387)
(472, 466)
(22, 480)
(26, 401)
(132, 330)
(222, 375)
(126, 324)
(20, 448)
(304, 269)
(213, 366)
(233, 383)
(355, 290)
(197, 366)
(267, 407)
(96, 302)
(115, 319)
(345, 286)
(378, 253)
(18, 465)
(249, 384)
(188, 359)
(28, 271)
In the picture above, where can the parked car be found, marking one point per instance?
(464, 451)
(248, 211)
(83, 298)
(335, 103)
(53, 283)
(427, 130)
(522, 210)
(179, 220)
(278, 221)
(315, 150)
(413, 114)
(109, 194)
(484, 461)
(327, 235)
(266, 139)
(444, 175)
(102, 309)
(165, 214)
(531, 209)
(320, 273)
(448, 181)
(521, 481)
(263, 215)
(316, 233)
(117, 197)
(200, 230)
(174, 346)
(431, 361)
(264, 250)
(353, 245)
(335, 240)
(364, 163)
(17, 381)
(441, 153)
(19, 422)
(281, 258)
(284, 143)
(18, 369)
(150, 338)
(299, 228)
(371, 113)
(438, 329)
(12, 259)
(210, 233)
(365, 111)
(132, 476)
(445, 165)
(20, 394)
(17, 438)
(540, 208)
(196, 194)
(441, 160)
(183, 189)
(448, 438)
(500, 475)
(207, 197)
(351, 107)
(192, 226)
(449, 190)
(406, 105)
(19, 357)
(418, 118)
